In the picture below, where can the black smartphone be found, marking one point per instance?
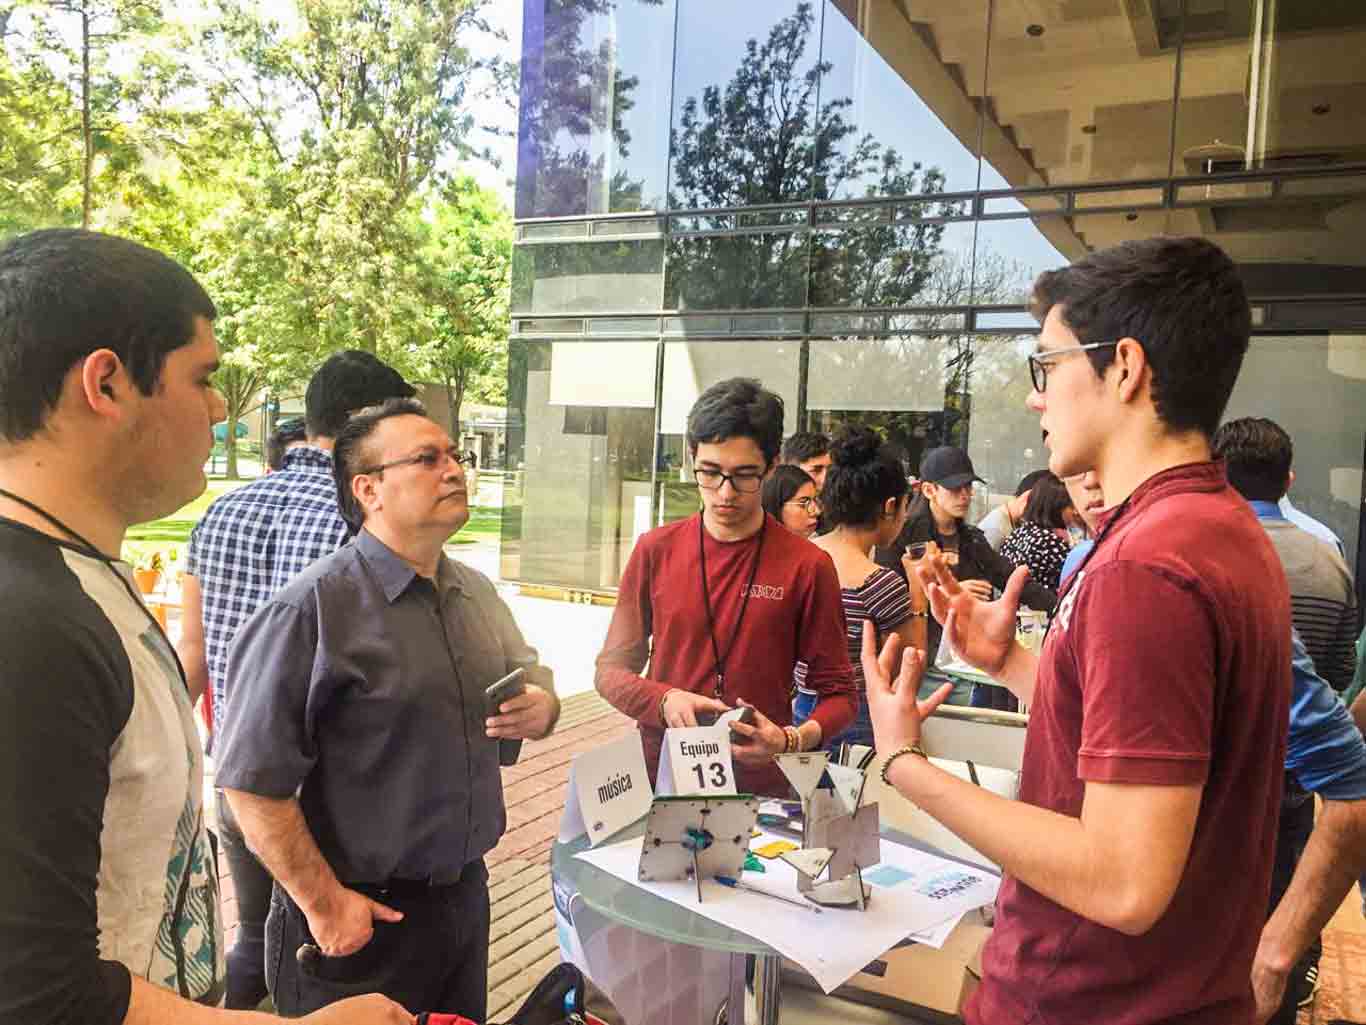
(505, 689)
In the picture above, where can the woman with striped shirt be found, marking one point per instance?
(864, 504)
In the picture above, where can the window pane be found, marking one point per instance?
(585, 277)
(1006, 442)
(1078, 92)
(1272, 86)
(911, 388)
(745, 103)
(1010, 254)
(690, 368)
(927, 264)
(581, 460)
(892, 119)
(1307, 384)
(708, 272)
(593, 97)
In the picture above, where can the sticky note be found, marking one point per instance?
(775, 848)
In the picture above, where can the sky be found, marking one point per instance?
(505, 15)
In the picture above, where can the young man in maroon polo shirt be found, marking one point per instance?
(723, 604)
(1138, 857)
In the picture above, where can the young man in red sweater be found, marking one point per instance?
(714, 611)
(1138, 857)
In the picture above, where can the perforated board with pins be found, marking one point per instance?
(676, 824)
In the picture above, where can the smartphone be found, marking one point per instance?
(505, 689)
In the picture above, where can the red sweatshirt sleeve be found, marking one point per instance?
(822, 645)
(627, 648)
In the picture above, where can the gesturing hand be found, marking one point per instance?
(981, 632)
(892, 678)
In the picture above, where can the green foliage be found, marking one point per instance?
(299, 158)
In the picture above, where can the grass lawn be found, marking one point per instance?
(174, 531)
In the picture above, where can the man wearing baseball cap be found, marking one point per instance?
(936, 524)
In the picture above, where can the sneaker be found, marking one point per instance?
(1307, 985)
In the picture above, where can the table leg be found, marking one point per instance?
(755, 989)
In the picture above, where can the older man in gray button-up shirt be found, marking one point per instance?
(356, 753)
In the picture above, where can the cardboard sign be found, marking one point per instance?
(608, 790)
(696, 760)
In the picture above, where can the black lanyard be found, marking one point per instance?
(90, 551)
(720, 664)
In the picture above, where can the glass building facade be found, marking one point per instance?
(849, 200)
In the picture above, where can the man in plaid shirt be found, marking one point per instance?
(250, 543)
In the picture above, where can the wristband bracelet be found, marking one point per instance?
(920, 613)
(793, 740)
(908, 749)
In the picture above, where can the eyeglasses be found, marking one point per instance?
(745, 482)
(428, 460)
(1040, 361)
(810, 504)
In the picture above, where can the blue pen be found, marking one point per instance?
(735, 884)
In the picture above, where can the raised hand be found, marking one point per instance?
(981, 632)
(892, 677)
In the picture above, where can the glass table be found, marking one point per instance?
(755, 967)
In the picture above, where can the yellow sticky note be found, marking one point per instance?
(775, 849)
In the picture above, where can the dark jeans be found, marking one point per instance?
(435, 959)
(1296, 823)
(252, 885)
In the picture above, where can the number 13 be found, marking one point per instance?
(718, 774)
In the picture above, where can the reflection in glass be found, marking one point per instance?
(594, 91)
(1076, 93)
(584, 277)
(1274, 85)
(581, 459)
(924, 264)
(1307, 384)
(879, 134)
(690, 368)
(745, 103)
(1006, 441)
(1011, 253)
(709, 272)
(912, 388)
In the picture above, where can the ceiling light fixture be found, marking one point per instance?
(1034, 30)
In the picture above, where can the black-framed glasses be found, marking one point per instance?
(1040, 361)
(428, 460)
(746, 482)
(810, 504)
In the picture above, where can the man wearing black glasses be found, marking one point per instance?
(722, 605)
(356, 753)
(1138, 857)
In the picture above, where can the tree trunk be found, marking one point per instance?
(230, 448)
(87, 136)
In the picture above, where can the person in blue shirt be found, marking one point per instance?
(1326, 754)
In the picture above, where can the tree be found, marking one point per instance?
(382, 92)
(763, 139)
(467, 262)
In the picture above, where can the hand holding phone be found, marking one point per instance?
(509, 687)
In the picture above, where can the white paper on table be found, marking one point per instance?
(836, 943)
(938, 935)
